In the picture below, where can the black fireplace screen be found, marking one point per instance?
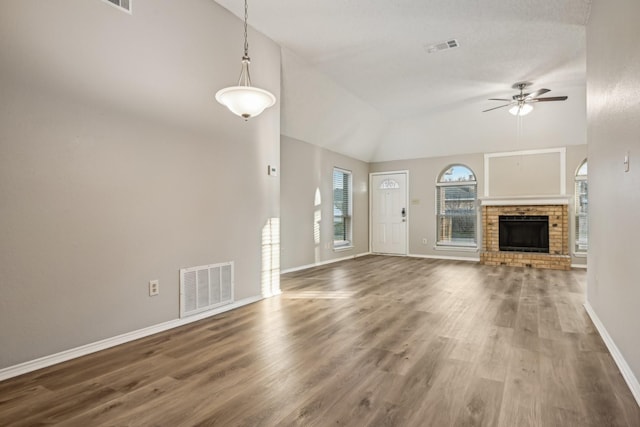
(524, 233)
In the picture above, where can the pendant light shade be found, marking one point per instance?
(245, 100)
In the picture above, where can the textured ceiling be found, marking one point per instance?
(375, 49)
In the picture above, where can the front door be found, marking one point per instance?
(389, 213)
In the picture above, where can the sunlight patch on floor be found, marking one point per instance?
(319, 295)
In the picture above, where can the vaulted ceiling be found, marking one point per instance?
(423, 104)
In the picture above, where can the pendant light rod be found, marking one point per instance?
(246, 39)
(245, 76)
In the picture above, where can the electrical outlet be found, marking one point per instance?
(424, 241)
(154, 288)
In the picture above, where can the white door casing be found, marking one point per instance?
(389, 213)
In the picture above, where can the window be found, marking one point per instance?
(582, 209)
(456, 207)
(121, 4)
(341, 208)
(389, 184)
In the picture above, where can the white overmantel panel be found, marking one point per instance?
(526, 173)
(524, 200)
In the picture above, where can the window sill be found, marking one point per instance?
(342, 248)
(456, 248)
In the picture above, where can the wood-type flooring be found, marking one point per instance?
(375, 341)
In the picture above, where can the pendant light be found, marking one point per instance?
(245, 100)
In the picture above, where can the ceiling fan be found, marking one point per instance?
(521, 103)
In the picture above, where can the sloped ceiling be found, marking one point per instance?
(421, 104)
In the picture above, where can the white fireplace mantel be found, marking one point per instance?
(524, 200)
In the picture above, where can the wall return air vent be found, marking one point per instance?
(120, 4)
(449, 44)
(205, 287)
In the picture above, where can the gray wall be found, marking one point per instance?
(117, 166)
(613, 85)
(307, 207)
(317, 110)
(423, 174)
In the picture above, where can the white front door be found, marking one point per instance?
(389, 213)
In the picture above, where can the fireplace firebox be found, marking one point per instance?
(524, 233)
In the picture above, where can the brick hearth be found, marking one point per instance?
(558, 257)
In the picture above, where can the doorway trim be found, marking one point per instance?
(406, 240)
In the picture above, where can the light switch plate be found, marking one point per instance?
(272, 171)
(626, 162)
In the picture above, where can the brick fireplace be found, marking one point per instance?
(556, 209)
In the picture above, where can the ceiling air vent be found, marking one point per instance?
(120, 4)
(449, 44)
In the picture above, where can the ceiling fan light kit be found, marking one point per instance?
(521, 103)
(521, 109)
(245, 100)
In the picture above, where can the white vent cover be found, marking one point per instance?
(205, 288)
(449, 44)
(120, 4)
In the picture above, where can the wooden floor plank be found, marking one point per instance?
(379, 341)
(443, 401)
(124, 406)
(481, 404)
(493, 359)
(523, 394)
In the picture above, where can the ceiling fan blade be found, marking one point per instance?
(495, 108)
(550, 98)
(537, 93)
(500, 99)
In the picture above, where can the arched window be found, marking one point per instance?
(582, 209)
(389, 184)
(456, 207)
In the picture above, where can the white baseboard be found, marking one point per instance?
(624, 367)
(362, 254)
(318, 264)
(63, 356)
(452, 258)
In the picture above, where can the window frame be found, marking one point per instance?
(346, 218)
(460, 244)
(118, 5)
